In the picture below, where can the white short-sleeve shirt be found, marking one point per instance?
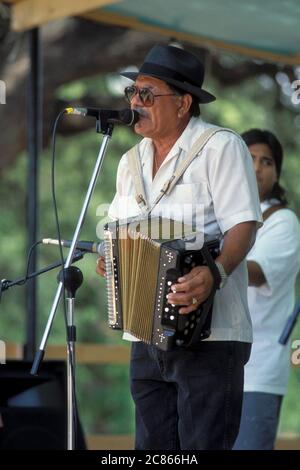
(277, 251)
(221, 186)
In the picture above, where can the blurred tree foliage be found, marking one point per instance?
(103, 392)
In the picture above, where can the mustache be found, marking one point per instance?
(140, 111)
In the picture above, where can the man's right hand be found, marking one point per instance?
(100, 268)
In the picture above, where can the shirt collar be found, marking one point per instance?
(187, 137)
(264, 205)
(183, 143)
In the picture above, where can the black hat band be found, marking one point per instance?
(164, 72)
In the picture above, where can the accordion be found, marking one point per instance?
(143, 259)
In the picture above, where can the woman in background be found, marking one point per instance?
(273, 264)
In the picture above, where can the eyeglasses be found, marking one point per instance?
(145, 94)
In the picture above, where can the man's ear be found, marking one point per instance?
(186, 103)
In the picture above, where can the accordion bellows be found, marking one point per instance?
(143, 259)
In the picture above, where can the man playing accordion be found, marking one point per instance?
(190, 398)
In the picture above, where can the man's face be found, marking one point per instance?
(265, 169)
(158, 120)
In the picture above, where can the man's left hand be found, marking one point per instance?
(192, 289)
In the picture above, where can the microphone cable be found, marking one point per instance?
(23, 281)
(27, 275)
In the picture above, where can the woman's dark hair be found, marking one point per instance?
(259, 136)
(195, 107)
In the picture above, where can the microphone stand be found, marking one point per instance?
(71, 278)
(106, 128)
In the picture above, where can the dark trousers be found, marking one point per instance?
(259, 423)
(188, 399)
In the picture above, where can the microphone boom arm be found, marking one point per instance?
(5, 284)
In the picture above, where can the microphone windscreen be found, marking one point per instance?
(129, 116)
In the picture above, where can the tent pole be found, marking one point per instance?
(34, 113)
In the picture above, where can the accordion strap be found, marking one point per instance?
(135, 168)
(137, 176)
(267, 213)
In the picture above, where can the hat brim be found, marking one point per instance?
(202, 95)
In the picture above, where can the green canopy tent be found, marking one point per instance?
(267, 30)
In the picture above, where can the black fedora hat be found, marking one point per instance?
(177, 67)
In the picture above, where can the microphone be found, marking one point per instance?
(127, 116)
(90, 247)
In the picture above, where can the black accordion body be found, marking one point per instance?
(143, 259)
